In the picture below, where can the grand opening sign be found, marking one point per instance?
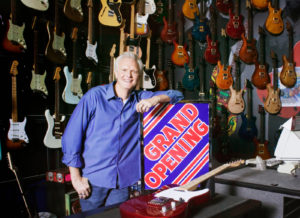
(176, 143)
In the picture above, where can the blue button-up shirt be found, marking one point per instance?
(102, 136)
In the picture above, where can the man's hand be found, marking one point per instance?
(82, 186)
(145, 104)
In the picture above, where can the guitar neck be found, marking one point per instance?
(250, 24)
(249, 102)
(276, 5)
(14, 114)
(13, 7)
(225, 51)
(262, 49)
(238, 76)
(291, 52)
(56, 103)
(262, 127)
(90, 21)
(170, 74)
(147, 64)
(237, 7)
(202, 10)
(75, 74)
(112, 62)
(275, 76)
(56, 19)
(191, 50)
(35, 52)
(180, 30)
(170, 13)
(131, 34)
(201, 78)
(160, 55)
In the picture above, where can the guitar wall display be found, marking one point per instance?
(73, 10)
(190, 9)
(201, 28)
(110, 14)
(274, 23)
(160, 74)
(16, 136)
(56, 122)
(169, 32)
(235, 27)
(40, 5)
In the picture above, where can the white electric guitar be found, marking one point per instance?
(72, 92)
(56, 122)
(150, 7)
(141, 19)
(40, 5)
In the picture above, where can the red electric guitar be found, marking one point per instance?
(224, 5)
(167, 202)
(235, 27)
(169, 32)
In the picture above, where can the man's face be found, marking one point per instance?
(127, 73)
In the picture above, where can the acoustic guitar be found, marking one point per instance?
(141, 19)
(260, 78)
(260, 4)
(248, 129)
(288, 75)
(272, 104)
(201, 28)
(274, 23)
(190, 9)
(73, 10)
(111, 77)
(55, 49)
(224, 6)
(248, 51)
(236, 104)
(261, 144)
(212, 53)
(169, 32)
(40, 5)
(13, 40)
(16, 136)
(179, 55)
(160, 74)
(56, 122)
(224, 78)
(190, 80)
(172, 200)
(110, 14)
(235, 27)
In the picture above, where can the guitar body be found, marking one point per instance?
(110, 14)
(236, 103)
(55, 49)
(248, 51)
(161, 80)
(260, 4)
(224, 78)
(169, 33)
(190, 80)
(261, 149)
(212, 53)
(190, 9)
(38, 82)
(274, 23)
(272, 103)
(224, 5)
(13, 40)
(150, 7)
(288, 75)
(133, 45)
(260, 78)
(50, 140)
(73, 10)
(235, 27)
(148, 79)
(200, 29)
(16, 136)
(40, 5)
(179, 55)
(141, 24)
(248, 128)
(90, 52)
(72, 92)
(151, 206)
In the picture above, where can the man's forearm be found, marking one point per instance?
(75, 173)
(162, 98)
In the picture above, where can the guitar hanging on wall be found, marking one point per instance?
(141, 19)
(272, 103)
(274, 23)
(169, 32)
(56, 122)
(55, 49)
(288, 75)
(73, 92)
(190, 9)
(73, 10)
(201, 28)
(260, 78)
(16, 136)
(160, 74)
(110, 14)
(40, 5)
(235, 27)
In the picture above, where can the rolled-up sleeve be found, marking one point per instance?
(174, 95)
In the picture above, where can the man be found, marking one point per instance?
(101, 141)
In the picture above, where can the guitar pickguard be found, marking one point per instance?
(15, 34)
(90, 51)
(17, 131)
(38, 82)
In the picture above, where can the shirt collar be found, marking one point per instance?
(111, 92)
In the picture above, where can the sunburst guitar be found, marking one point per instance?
(274, 23)
(190, 9)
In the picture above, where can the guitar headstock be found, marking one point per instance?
(74, 34)
(90, 3)
(57, 73)
(14, 69)
(261, 109)
(248, 4)
(236, 163)
(112, 50)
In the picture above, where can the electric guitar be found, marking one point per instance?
(55, 49)
(235, 27)
(288, 75)
(248, 51)
(169, 32)
(13, 40)
(260, 4)
(223, 6)
(274, 23)
(110, 14)
(141, 19)
(89, 80)
(261, 145)
(161, 11)
(212, 53)
(56, 122)
(73, 10)
(40, 5)
(236, 104)
(16, 136)
(201, 93)
(179, 55)
(190, 80)
(260, 78)
(190, 9)
(111, 77)
(201, 28)
(133, 44)
(37, 83)
(150, 7)
(224, 78)
(90, 51)
(272, 103)
(160, 74)
(248, 128)
(72, 92)
(172, 200)
(148, 80)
